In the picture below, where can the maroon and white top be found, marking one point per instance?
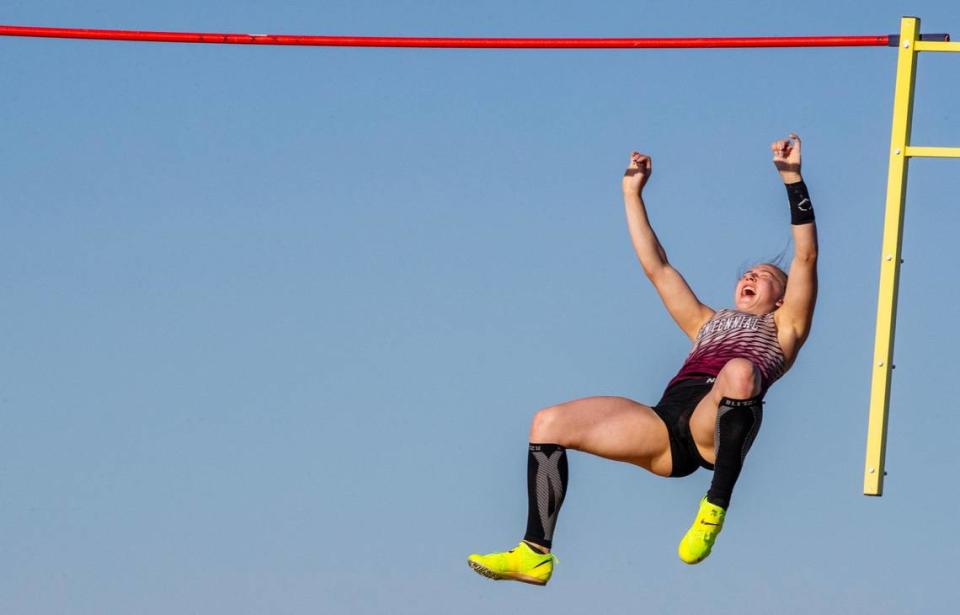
(730, 334)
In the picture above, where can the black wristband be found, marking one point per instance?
(801, 209)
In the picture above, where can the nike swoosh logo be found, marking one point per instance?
(546, 561)
(708, 523)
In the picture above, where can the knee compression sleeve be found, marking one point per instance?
(546, 486)
(738, 421)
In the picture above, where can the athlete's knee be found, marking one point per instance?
(740, 379)
(546, 426)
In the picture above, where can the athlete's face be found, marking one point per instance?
(760, 290)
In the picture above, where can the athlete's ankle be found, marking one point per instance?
(718, 502)
(538, 548)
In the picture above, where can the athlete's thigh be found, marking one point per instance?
(616, 428)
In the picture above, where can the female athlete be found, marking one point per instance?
(710, 412)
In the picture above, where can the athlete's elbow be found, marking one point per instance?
(653, 269)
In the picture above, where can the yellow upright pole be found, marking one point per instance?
(890, 257)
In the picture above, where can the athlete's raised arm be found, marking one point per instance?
(676, 294)
(796, 314)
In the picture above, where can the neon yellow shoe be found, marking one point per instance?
(520, 563)
(698, 541)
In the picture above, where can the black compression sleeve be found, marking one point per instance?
(547, 475)
(801, 208)
(738, 421)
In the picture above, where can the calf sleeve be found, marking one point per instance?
(738, 421)
(546, 486)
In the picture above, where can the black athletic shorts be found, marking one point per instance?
(674, 409)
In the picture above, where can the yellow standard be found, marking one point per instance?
(900, 153)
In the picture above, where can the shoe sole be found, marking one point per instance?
(483, 570)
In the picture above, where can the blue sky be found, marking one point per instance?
(276, 319)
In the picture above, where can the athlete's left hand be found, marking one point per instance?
(786, 157)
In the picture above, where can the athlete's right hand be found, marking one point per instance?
(637, 174)
(786, 157)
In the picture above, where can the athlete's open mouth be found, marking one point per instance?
(748, 291)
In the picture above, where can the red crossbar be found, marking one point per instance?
(464, 43)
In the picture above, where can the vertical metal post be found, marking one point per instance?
(890, 257)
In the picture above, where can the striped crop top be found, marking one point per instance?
(730, 334)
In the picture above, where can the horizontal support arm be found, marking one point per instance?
(935, 46)
(933, 152)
